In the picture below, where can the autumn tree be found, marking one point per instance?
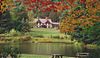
(81, 17)
(23, 10)
(13, 12)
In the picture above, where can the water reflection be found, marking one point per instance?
(50, 48)
(54, 48)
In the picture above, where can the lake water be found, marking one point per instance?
(50, 48)
(54, 48)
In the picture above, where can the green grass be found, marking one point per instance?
(40, 35)
(33, 56)
(44, 32)
(47, 35)
(38, 56)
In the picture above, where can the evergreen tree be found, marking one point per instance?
(5, 22)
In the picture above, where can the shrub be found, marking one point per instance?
(8, 50)
(25, 38)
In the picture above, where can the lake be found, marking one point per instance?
(54, 48)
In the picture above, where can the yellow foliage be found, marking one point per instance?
(5, 4)
(71, 22)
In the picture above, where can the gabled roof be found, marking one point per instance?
(44, 20)
(55, 23)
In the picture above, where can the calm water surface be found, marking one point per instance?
(54, 48)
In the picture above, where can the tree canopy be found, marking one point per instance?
(82, 18)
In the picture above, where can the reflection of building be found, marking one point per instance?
(46, 23)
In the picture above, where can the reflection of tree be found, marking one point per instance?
(12, 51)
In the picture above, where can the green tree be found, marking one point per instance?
(93, 34)
(5, 22)
(20, 19)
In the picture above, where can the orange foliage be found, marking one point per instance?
(71, 22)
(6, 5)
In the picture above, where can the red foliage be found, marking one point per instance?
(55, 10)
(26, 2)
(32, 6)
(33, 1)
(0, 0)
(70, 1)
(44, 5)
(29, 8)
(58, 3)
(82, 1)
(17, 0)
(44, 10)
(48, 9)
(52, 6)
(67, 7)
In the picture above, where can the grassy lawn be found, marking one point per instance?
(40, 35)
(48, 35)
(44, 32)
(38, 56)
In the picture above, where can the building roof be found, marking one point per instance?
(44, 20)
(55, 23)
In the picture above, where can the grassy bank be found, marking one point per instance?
(38, 56)
(44, 32)
(36, 35)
